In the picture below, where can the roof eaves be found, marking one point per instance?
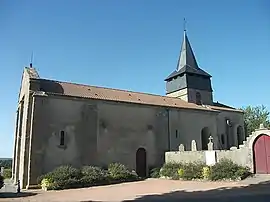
(206, 108)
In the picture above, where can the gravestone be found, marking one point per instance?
(193, 145)
(210, 145)
(181, 148)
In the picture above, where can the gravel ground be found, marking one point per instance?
(150, 190)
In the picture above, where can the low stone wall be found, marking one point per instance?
(240, 156)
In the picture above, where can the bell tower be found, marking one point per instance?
(188, 82)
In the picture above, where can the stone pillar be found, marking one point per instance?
(15, 145)
(26, 140)
(18, 144)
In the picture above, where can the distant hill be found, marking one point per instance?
(4, 159)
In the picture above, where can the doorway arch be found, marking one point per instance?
(141, 162)
(240, 135)
(205, 134)
(261, 154)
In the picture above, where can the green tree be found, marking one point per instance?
(254, 116)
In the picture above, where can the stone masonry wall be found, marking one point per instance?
(242, 156)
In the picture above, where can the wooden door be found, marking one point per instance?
(141, 162)
(262, 154)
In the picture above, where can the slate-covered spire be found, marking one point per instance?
(187, 63)
(186, 57)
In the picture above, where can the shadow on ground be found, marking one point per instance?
(252, 193)
(259, 193)
(16, 195)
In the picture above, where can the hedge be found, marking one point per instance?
(65, 177)
(7, 173)
(223, 170)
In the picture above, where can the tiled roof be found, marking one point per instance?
(219, 106)
(101, 93)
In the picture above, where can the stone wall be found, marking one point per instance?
(242, 155)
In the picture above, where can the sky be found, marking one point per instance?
(133, 45)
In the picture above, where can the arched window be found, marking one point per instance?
(240, 135)
(205, 134)
(62, 138)
(198, 98)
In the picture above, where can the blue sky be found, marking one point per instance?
(133, 44)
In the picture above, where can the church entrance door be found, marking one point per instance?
(141, 162)
(261, 150)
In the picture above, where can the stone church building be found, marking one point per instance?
(60, 123)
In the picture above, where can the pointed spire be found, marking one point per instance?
(186, 57)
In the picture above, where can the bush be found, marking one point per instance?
(7, 173)
(1, 181)
(206, 172)
(94, 175)
(226, 169)
(181, 172)
(119, 172)
(170, 170)
(65, 177)
(155, 172)
(193, 171)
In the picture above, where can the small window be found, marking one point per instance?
(222, 139)
(198, 98)
(176, 133)
(62, 138)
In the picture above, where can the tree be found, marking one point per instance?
(254, 116)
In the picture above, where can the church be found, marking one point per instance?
(60, 123)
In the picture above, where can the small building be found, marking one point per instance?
(61, 123)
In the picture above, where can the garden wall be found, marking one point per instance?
(242, 155)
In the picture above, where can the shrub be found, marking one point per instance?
(206, 172)
(119, 172)
(63, 177)
(1, 181)
(171, 170)
(47, 184)
(94, 175)
(155, 172)
(181, 172)
(7, 173)
(226, 169)
(193, 171)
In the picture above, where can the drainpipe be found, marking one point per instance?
(169, 130)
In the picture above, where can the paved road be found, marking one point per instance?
(154, 190)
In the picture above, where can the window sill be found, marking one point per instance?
(62, 146)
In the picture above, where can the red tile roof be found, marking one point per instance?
(110, 94)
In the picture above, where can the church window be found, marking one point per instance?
(222, 139)
(176, 133)
(62, 138)
(198, 98)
